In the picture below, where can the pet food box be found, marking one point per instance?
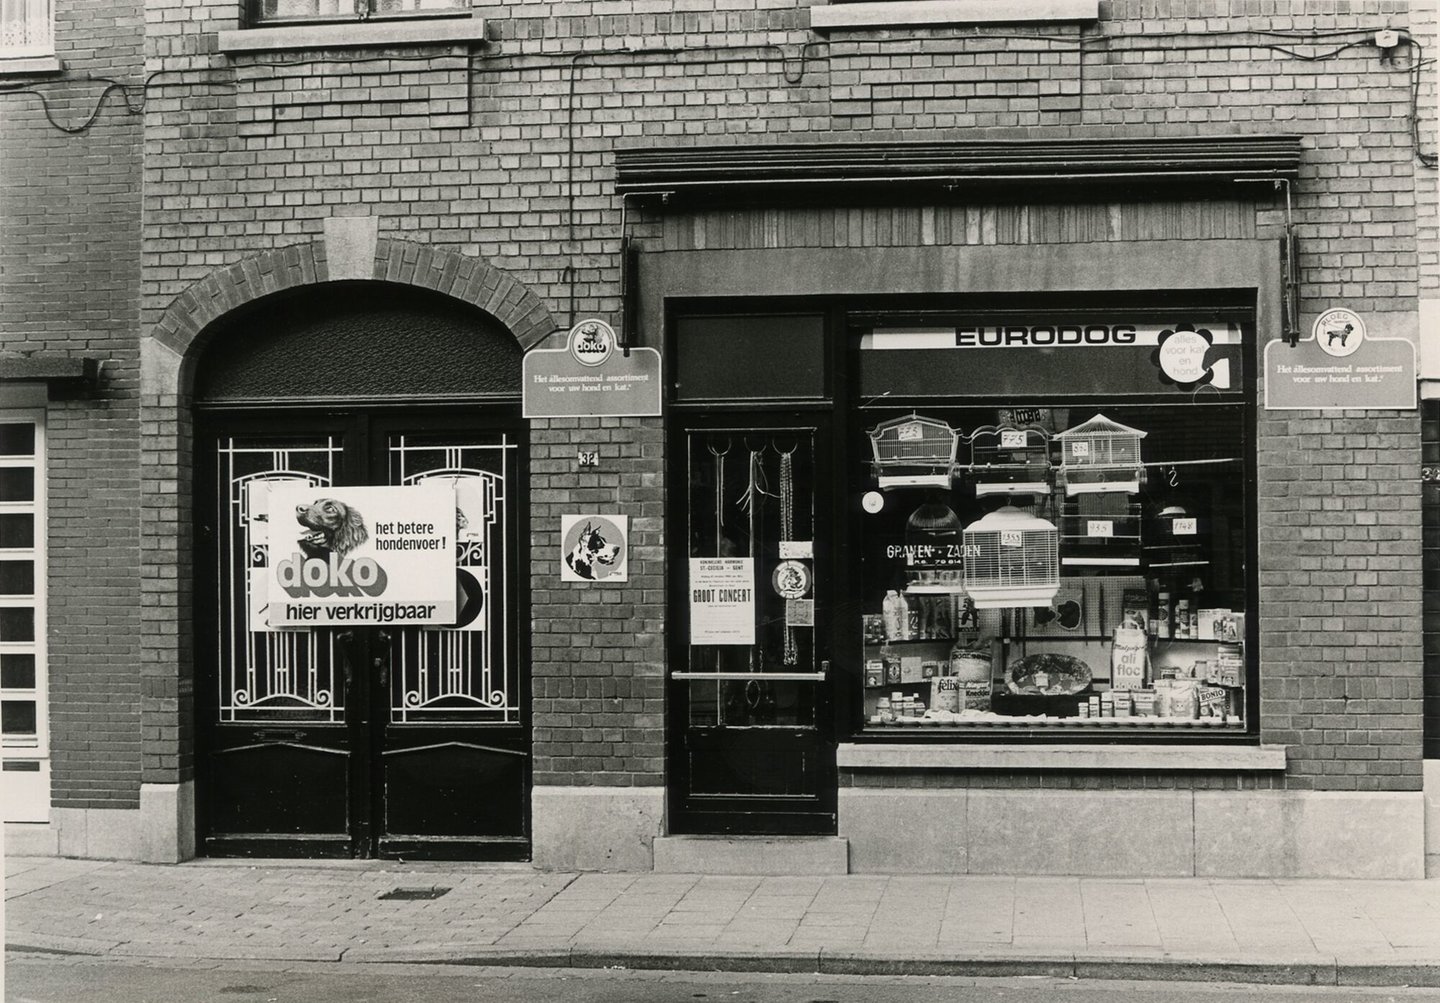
(912, 669)
(975, 695)
(874, 672)
(945, 694)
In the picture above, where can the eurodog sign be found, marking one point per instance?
(360, 556)
(591, 376)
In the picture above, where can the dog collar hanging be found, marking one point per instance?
(787, 532)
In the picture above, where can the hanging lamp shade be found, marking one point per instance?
(1011, 559)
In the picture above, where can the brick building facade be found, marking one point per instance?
(179, 167)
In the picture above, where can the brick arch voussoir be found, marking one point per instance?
(467, 278)
(450, 273)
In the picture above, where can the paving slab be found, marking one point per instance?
(298, 913)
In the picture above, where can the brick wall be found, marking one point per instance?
(69, 285)
(597, 651)
(504, 153)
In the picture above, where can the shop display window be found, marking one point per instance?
(1073, 567)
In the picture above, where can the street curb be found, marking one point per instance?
(41, 943)
(1160, 968)
(1297, 973)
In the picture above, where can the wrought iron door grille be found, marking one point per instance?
(464, 673)
(265, 675)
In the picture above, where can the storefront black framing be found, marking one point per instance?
(833, 281)
(845, 318)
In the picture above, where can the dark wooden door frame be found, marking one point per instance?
(362, 654)
(758, 814)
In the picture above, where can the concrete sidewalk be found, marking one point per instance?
(1295, 931)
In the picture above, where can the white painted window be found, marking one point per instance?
(26, 28)
(24, 742)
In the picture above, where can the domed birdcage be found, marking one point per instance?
(933, 551)
(1101, 456)
(1011, 559)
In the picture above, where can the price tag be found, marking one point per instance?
(802, 549)
(1079, 449)
(1012, 538)
(1100, 527)
(1011, 439)
(1184, 527)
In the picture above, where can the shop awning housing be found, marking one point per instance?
(886, 171)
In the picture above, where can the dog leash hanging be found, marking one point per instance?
(787, 530)
(719, 496)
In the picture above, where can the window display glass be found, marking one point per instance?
(1076, 566)
(1054, 529)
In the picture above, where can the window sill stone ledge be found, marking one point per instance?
(29, 66)
(1148, 758)
(355, 35)
(883, 14)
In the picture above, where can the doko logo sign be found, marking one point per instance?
(359, 555)
(592, 376)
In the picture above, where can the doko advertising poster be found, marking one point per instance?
(359, 556)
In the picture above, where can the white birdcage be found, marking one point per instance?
(1101, 456)
(1011, 559)
(1006, 460)
(914, 452)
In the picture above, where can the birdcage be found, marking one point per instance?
(933, 555)
(1005, 460)
(1100, 530)
(1177, 537)
(1011, 559)
(1100, 456)
(914, 452)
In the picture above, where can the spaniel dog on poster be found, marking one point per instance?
(334, 528)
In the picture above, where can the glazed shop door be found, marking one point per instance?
(751, 749)
(363, 740)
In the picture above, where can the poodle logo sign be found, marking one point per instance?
(1341, 365)
(593, 375)
(360, 556)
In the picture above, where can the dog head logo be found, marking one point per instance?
(334, 527)
(324, 567)
(591, 342)
(590, 554)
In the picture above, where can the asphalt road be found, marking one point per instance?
(60, 979)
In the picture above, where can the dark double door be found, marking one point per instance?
(366, 740)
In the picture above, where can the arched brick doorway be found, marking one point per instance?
(409, 741)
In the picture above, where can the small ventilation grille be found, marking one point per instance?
(415, 894)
